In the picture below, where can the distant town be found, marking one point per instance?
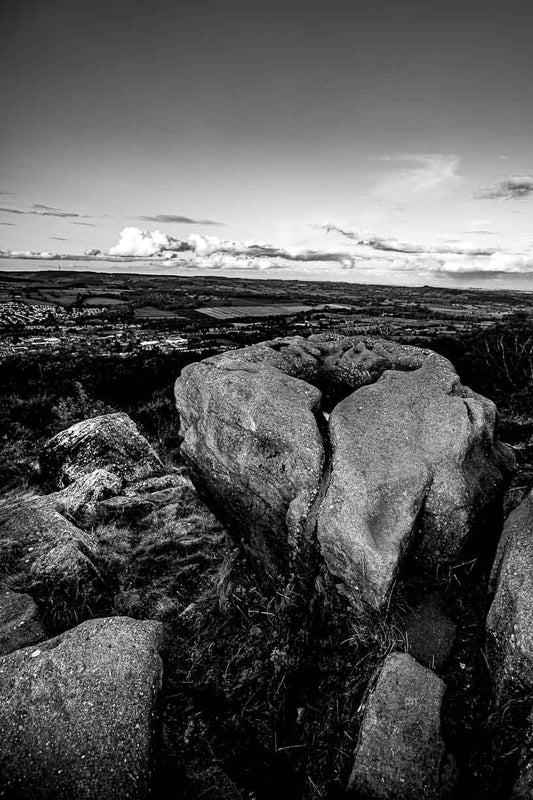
(125, 314)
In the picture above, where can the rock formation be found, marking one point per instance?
(79, 713)
(408, 463)
(111, 442)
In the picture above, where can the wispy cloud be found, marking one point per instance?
(417, 174)
(391, 245)
(513, 188)
(178, 218)
(10, 224)
(44, 211)
(86, 224)
(58, 238)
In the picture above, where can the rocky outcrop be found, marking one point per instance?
(400, 753)
(510, 619)
(20, 622)
(79, 713)
(407, 464)
(110, 442)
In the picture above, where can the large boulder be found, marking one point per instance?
(111, 442)
(415, 469)
(408, 463)
(43, 553)
(252, 439)
(510, 619)
(400, 753)
(79, 713)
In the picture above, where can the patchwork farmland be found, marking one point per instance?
(236, 312)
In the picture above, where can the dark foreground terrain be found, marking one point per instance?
(200, 640)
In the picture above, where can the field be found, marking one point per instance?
(236, 312)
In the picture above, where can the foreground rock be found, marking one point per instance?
(111, 442)
(20, 623)
(408, 463)
(510, 619)
(400, 753)
(79, 713)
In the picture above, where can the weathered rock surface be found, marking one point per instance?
(430, 633)
(81, 499)
(111, 442)
(400, 753)
(510, 619)
(408, 463)
(79, 713)
(20, 623)
(39, 546)
(252, 439)
(415, 465)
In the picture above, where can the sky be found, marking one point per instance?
(377, 141)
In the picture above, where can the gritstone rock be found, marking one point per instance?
(400, 753)
(111, 442)
(79, 713)
(408, 463)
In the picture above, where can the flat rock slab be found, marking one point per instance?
(400, 753)
(79, 713)
(510, 619)
(20, 622)
(111, 442)
(430, 633)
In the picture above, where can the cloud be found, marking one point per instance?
(514, 188)
(164, 218)
(213, 251)
(44, 211)
(87, 224)
(416, 174)
(391, 245)
(58, 238)
(11, 224)
(3, 192)
(134, 242)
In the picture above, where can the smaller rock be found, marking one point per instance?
(20, 623)
(80, 500)
(111, 442)
(400, 753)
(49, 557)
(430, 633)
(79, 713)
(510, 618)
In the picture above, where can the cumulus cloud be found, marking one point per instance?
(134, 242)
(179, 219)
(216, 252)
(416, 174)
(513, 188)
